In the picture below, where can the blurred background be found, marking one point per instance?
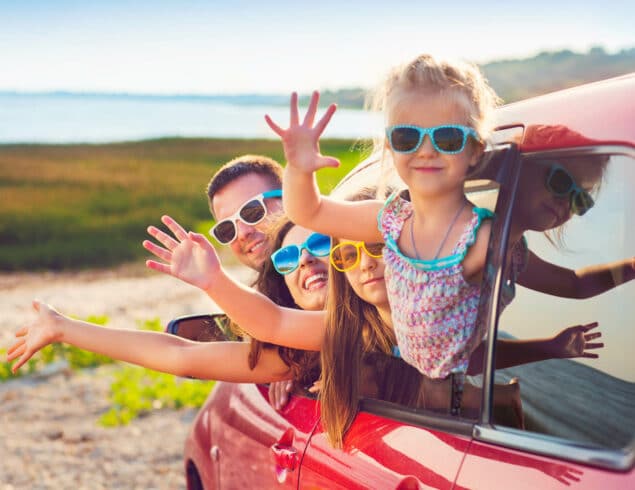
(113, 113)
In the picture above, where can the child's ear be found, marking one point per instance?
(478, 148)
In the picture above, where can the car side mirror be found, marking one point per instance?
(203, 328)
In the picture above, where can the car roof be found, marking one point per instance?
(595, 113)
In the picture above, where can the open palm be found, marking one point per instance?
(576, 342)
(186, 256)
(301, 141)
(35, 336)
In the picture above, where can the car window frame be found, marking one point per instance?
(546, 445)
(507, 171)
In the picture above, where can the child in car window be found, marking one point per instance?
(438, 116)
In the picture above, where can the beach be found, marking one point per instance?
(50, 438)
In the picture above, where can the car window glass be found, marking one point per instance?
(587, 201)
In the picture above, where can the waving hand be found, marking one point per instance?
(186, 256)
(301, 141)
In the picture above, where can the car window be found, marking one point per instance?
(587, 200)
(388, 378)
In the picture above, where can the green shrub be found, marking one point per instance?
(136, 391)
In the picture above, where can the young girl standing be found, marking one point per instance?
(437, 120)
(438, 117)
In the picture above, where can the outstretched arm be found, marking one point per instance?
(301, 196)
(587, 282)
(222, 361)
(569, 343)
(191, 258)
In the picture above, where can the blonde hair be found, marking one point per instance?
(459, 81)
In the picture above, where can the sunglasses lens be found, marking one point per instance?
(252, 212)
(559, 182)
(286, 259)
(344, 257)
(581, 202)
(374, 249)
(224, 232)
(318, 245)
(404, 139)
(449, 139)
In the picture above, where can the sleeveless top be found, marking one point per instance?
(433, 308)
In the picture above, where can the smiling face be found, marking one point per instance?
(251, 246)
(307, 284)
(540, 209)
(426, 171)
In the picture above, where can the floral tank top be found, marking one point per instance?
(433, 308)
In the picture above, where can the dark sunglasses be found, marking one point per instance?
(287, 259)
(346, 255)
(449, 138)
(251, 213)
(562, 184)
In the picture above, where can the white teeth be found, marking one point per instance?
(314, 278)
(256, 247)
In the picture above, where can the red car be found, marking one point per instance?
(579, 414)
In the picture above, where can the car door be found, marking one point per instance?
(253, 445)
(579, 422)
(387, 451)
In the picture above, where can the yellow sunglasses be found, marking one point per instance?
(346, 255)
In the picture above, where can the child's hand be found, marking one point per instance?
(30, 339)
(316, 387)
(575, 342)
(190, 257)
(301, 141)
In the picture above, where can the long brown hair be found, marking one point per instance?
(303, 364)
(353, 328)
(356, 338)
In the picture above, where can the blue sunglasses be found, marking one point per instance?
(562, 184)
(449, 138)
(287, 259)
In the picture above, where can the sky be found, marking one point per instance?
(276, 46)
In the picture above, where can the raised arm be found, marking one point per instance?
(222, 361)
(301, 196)
(587, 282)
(191, 258)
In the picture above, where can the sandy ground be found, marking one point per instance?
(49, 438)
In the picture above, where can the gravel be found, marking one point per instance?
(49, 436)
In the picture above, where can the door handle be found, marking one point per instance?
(285, 457)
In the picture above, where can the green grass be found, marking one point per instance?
(83, 206)
(136, 391)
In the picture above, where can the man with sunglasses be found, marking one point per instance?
(241, 195)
